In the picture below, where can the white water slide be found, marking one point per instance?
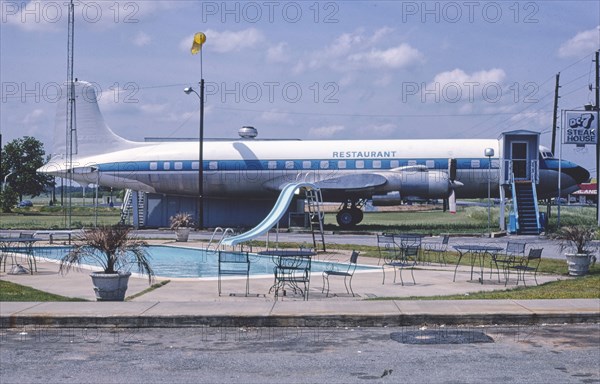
(283, 202)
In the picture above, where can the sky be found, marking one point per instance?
(304, 69)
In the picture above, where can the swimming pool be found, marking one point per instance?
(187, 262)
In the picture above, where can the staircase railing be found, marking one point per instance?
(537, 211)
(224, 233)
(315, 199)
(515, 205)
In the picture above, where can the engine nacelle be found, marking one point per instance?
(413, 182)
(390, 199)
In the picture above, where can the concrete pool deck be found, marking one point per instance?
(195, 302)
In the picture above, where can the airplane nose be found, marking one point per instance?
(579, 174)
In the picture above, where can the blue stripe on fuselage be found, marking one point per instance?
(300, 165)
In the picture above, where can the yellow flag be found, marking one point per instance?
(199, 39)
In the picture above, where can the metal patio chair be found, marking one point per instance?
(405, 258)
(506, 259)
(439, 249)
(234, 264)
(347, 274)
(529, 263)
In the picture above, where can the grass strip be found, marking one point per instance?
(149, 289)
(16, 292)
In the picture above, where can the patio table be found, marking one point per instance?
(475, 252)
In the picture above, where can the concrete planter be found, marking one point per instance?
(579, 263)
(182, 234)
(110, 286)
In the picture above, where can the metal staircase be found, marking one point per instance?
(128, 210)
(526, 208)
(314, 201)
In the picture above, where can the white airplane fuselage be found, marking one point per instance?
(385, 171)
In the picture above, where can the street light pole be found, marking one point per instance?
(200, 95)
(489, 152)
(5, 180)
(199, 40)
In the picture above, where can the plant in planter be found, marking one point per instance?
(116, 251)
(577, 238)
(181, 223)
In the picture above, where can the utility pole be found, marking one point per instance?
(70, 111)
(597, 132)
(555, 113)
(554, 127)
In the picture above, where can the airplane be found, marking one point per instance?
(349, 172)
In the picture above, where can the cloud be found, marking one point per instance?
(382, 130)
(460, 86)
(33, 117)
(34, 16)
(141, 39)
(358, 50)
(278, 53)
(459, 76)
(325, 132)
(397, 57)
(153, 108)
(275, 116)
(227, 41)
(583, 43)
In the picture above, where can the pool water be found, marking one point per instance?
(185, 262)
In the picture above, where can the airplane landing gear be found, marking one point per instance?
(349, 215)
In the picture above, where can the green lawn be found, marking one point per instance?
(16, 292)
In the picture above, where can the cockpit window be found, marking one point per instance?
(547, 155)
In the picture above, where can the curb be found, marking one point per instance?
(187, 321)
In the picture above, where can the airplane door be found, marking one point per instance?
(520, 159)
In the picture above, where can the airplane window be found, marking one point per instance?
(394, 163)
(306, 164)
(430, 164)
(213, 165)
(360, 164)
(475, 164)
(376, 163)
(272, 165)
(166, 166)
(342, 164)
(178, 165)
(289, 165)
(412, 162)
(153, 166)
(324, 164)
(195, 165)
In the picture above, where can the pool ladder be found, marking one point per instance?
(214, 247)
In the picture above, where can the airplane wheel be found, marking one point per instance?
(345, 218)
(358, 215)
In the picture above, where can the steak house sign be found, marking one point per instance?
(581, 127)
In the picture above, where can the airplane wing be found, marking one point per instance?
(408, 181)
(356, 182)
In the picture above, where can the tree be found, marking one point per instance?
(8, 199)
(23, 157)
